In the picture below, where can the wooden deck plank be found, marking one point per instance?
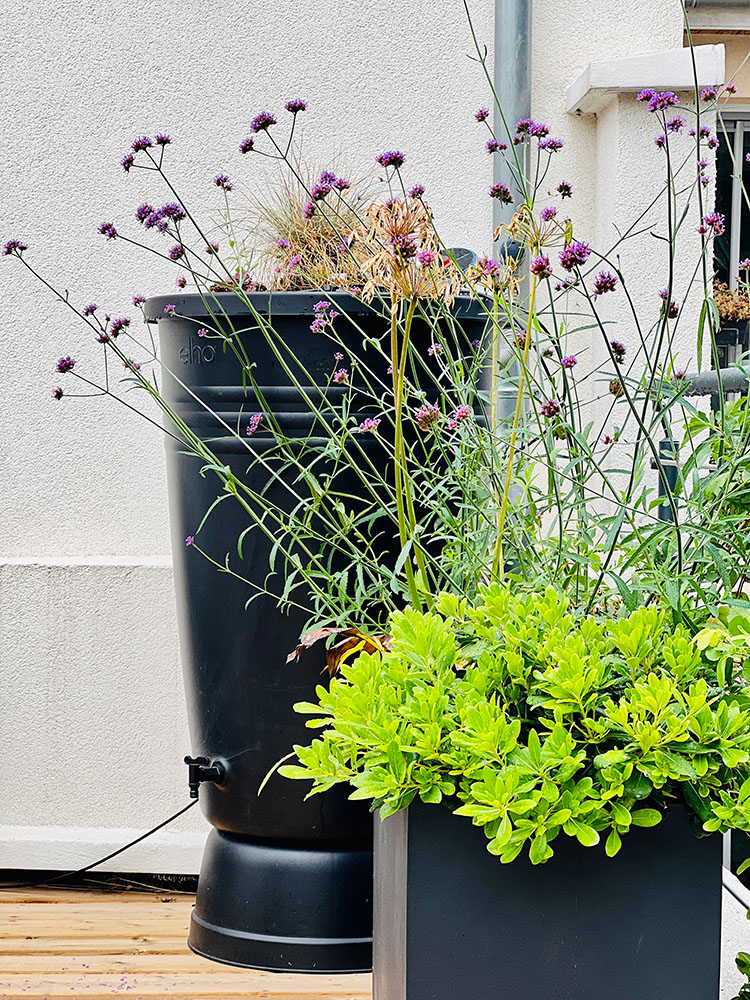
(88, 945)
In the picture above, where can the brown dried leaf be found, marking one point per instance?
(349, 642)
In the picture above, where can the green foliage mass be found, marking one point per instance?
(534, 719)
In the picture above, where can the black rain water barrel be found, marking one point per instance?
(285, 884)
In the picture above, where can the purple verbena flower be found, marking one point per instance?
(570, 361)
(660, 141)
(482, 114)
(132, 365)
(118, 325)
(392, 158)
(369, 424)
(547, 214)
(321, 306)
(177, 251)
(338, 356)
(294, 261)
(574, 255)
(296, 105)
(138, 300)
(203, 332)
(320, 191)
(181, 281)
(222, 181)
(417, 191)
(714, 222)
(523, 126)
(494, 146)
(662, 101)
(65, 365)
(565, 189)
(744, 265)
(605, 281)
(426, 257)
(550, 145)
(189, 540)
(669, 307)
(731, 87)
(282, 244)
(538, 130)
(57, 393)
(318, 325)
(709, 94)
(15, 247)
(143, 211)
(327, 177)
(309, 210)
(262, 121)
(107, 229)
(212, 248)
(550, 409)
(341, 184)
(676, 124)
(490, 267)
(341, 377)
(253, 423)
(90, 309)
(247, 144)
(141, 143)
(153, 219)
(502, 193)
(127, 162)
(540, 266)
(435, 349)
(169, 310)
(161, 139)
(646, 95)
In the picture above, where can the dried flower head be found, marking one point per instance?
(503, 194)
(426, 416)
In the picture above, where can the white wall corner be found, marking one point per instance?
(672, 69)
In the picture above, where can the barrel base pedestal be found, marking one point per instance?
(283, 909)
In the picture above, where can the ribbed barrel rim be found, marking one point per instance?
(193, 304)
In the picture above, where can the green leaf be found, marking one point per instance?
(743, 867)
(396, 761)
(638, 786)
(614, 843)
(646, 817)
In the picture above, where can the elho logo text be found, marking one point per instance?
(197, 354)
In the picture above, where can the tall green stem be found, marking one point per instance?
(497, 562)
(398, 364)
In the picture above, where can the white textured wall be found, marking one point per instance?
(90, 670)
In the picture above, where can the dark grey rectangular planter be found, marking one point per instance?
(453, 923)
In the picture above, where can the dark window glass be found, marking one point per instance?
(724, 172)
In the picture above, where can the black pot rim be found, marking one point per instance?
(299, 303)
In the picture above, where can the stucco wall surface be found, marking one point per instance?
(90, 669)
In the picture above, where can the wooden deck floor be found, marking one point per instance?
(94, 945)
